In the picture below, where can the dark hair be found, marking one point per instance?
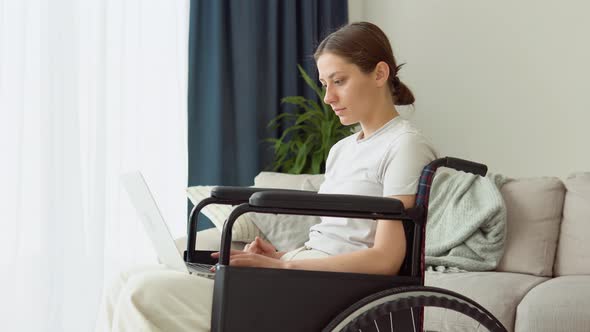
(365, 44)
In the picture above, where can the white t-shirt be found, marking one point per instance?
(388, 162)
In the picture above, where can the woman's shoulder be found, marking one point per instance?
(404, 126)
(406, 133)
(345, 141)
(409, 138)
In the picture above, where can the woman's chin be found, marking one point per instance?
(344, 121)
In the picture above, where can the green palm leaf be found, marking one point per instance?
(310, 83)
(303, 147)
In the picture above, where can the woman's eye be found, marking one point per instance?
(338, 82)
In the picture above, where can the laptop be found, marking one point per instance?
(142, 199)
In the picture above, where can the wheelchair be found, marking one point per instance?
(263, 299)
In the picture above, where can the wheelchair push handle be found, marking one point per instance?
(466, 166)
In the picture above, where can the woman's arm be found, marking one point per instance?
(385, 257)
(259, 246)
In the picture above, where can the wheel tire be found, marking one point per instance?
(364, 314)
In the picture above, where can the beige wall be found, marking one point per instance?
(503, 82)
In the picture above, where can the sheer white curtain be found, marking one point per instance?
(88, 89)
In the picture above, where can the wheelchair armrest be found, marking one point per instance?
(334, 202)
(315, 204)
(242, 194)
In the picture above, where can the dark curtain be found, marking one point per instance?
(243, 57)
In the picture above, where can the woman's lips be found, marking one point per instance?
(339, 111)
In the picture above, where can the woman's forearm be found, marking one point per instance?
(369, 261)
(279, 254)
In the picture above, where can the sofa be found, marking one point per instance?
(542, 282)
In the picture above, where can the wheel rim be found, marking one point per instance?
(410, 298)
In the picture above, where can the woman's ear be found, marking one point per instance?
(381, 73)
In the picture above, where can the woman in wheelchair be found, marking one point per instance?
(359, 72)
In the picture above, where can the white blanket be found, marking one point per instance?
(466, 225)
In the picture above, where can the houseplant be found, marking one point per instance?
(303, 147)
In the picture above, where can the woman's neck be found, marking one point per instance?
(382, 114)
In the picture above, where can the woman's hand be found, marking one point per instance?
(261, 247)
(244, 258)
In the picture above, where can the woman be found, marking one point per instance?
(357, 67)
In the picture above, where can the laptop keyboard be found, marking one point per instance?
(200, 267)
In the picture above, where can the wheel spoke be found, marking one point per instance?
(391, 321)
(413, 320)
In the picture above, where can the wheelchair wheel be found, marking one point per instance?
(399, 309)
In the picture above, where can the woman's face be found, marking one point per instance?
(350, 92)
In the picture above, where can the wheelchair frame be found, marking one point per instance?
(262, 299)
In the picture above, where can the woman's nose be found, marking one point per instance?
(330, 97)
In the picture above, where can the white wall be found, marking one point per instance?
(502, 82)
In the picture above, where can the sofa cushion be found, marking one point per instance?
(208, 239)
(244, 229)
(287, 232)
(289, 181)
(499, 293)
(573, 252)
(534, 208)
(560, 304)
